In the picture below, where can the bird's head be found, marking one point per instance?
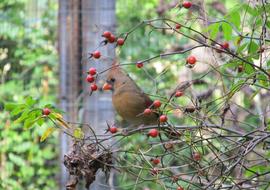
(115, 78)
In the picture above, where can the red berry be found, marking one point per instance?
(120, 41)
(113, 129)
(90, 78)
(147, 111)
(196, 156)
(191, 60)
(111, 39)
(178, 93)
(187, 4)
(157, 103)
(180, 188)
(94, 87)
(155, 161)
(163, 118)
(177, 26)
(96, 54)
(92, 71)
(46, 111)
(153, 133)
(139, 64)
(106, 34)
(225, 45)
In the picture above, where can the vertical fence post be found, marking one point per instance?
(69, 70)
(97, 16)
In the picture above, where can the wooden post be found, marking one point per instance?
(97, 16)
(69, 71)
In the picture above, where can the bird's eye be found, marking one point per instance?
(112, 79)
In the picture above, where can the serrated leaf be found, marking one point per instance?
(249, 9)
(227, 30)
(47, 133)
(213, 29)
(249, 69)
(30, 101)
(24, 116)
(263, 80)
(10, 106)
(78, 133)
(235, 19)
(242, 47)
(252, 47)
(40, 121)
(268, 24)
(17, 111)
(16, 159)
(28, 123)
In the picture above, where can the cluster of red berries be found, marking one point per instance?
(111, 38)
(162, 118)
(91, 78)
(156, 104)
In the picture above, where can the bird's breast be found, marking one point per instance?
(130, 106)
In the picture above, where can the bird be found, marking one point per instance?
(128, 99)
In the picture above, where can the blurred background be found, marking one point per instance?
(44, 50)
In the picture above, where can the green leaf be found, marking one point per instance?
(16, 159)
(47, 133)
(40, 121)
(30, 101)
(17, 111)
(30, 122)
(235, 87)
(24, 116)
(78, 133)
(241, 48)
(214, 29)
(10, 106)
(249, 9)
(263, 80)
(227, 31)
(252, 47)
(268, 24)
(249, 69)
(235, 18)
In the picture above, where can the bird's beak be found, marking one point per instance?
(107, 86)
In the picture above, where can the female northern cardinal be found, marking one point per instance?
(128, 99)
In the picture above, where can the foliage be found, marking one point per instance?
(218, 130)
(242, 25)
(27, 64)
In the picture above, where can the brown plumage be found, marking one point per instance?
(128, 99)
